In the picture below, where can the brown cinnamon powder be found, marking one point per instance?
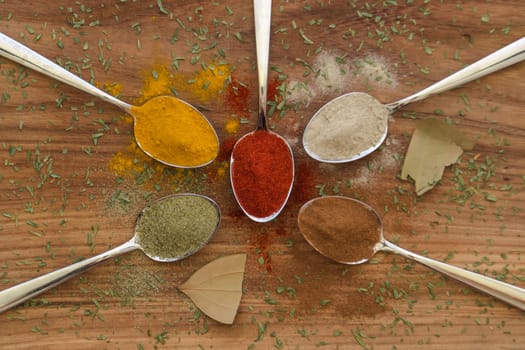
(340, 228)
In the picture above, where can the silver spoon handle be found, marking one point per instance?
(23, 55)
(262, 11)
(15, 295)
(506, 292)
(504, 57)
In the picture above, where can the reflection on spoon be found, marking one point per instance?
(262, 164)
(170, 229)
(354, 125)
(350, 232)
(178, 151)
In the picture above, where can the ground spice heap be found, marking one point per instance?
(340, 228)
(177, 226)
(261, 173)
(346, 127)
(173, 132)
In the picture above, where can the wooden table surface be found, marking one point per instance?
(62, 197)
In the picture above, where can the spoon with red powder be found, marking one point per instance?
(262, 164)
(351, 232)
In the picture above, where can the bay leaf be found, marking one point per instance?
(216, 288)
(434, 145)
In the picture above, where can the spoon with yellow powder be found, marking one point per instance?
(166, 128)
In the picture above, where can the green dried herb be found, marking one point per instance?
(177, 225)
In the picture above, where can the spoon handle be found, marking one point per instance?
(504, 57)
(506, 292)
(23, 55)
(262, 11)
(15, 295)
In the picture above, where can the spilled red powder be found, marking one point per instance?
(225, 149)
(236, 96)
(304, 182)
(273, 90)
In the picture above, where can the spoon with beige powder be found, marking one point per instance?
(349, 231)
(354, 125)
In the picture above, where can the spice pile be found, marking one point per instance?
(173, 132)
(262, 173)
(340, 228)
(176, 226)
(346, 128)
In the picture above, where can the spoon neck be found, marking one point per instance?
(262, 10)
(261, 123)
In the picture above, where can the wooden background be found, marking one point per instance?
(60, 200)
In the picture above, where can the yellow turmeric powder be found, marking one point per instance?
(207, 84)
(174, 133)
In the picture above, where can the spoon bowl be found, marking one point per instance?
(166, 151)
(353, 125)
(336, 227)
(26, 290)
(261, 197)
(253, 178)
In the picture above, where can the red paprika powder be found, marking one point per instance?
(262, 173)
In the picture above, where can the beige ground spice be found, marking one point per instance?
(346, 127)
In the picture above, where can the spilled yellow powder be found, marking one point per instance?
(133, 162)
(157, 82)
(114, 89)
(223, 169)
(232, 126)
(207, 84)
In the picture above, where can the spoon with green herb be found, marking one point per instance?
(349, 231)
(170, 229)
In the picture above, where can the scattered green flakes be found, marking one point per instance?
(306, 40)
(261, 330)
(325, 302)
(278, 343)
(162, 337)
(162, 9)
(485, 18)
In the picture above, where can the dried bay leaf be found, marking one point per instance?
(216, 288)
(433, 146)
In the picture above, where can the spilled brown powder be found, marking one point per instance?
(340, 228)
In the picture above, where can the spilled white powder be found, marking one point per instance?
(334, 76)
(348, 127)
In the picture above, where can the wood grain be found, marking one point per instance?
(56, 187)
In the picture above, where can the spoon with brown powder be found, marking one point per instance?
(170, 229)
(351, 232)
(354, 125)
(151, 121)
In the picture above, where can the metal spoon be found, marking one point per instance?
(262, 15)
(26, 290)
(23, 55)
(332, 114)
(506, 292)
